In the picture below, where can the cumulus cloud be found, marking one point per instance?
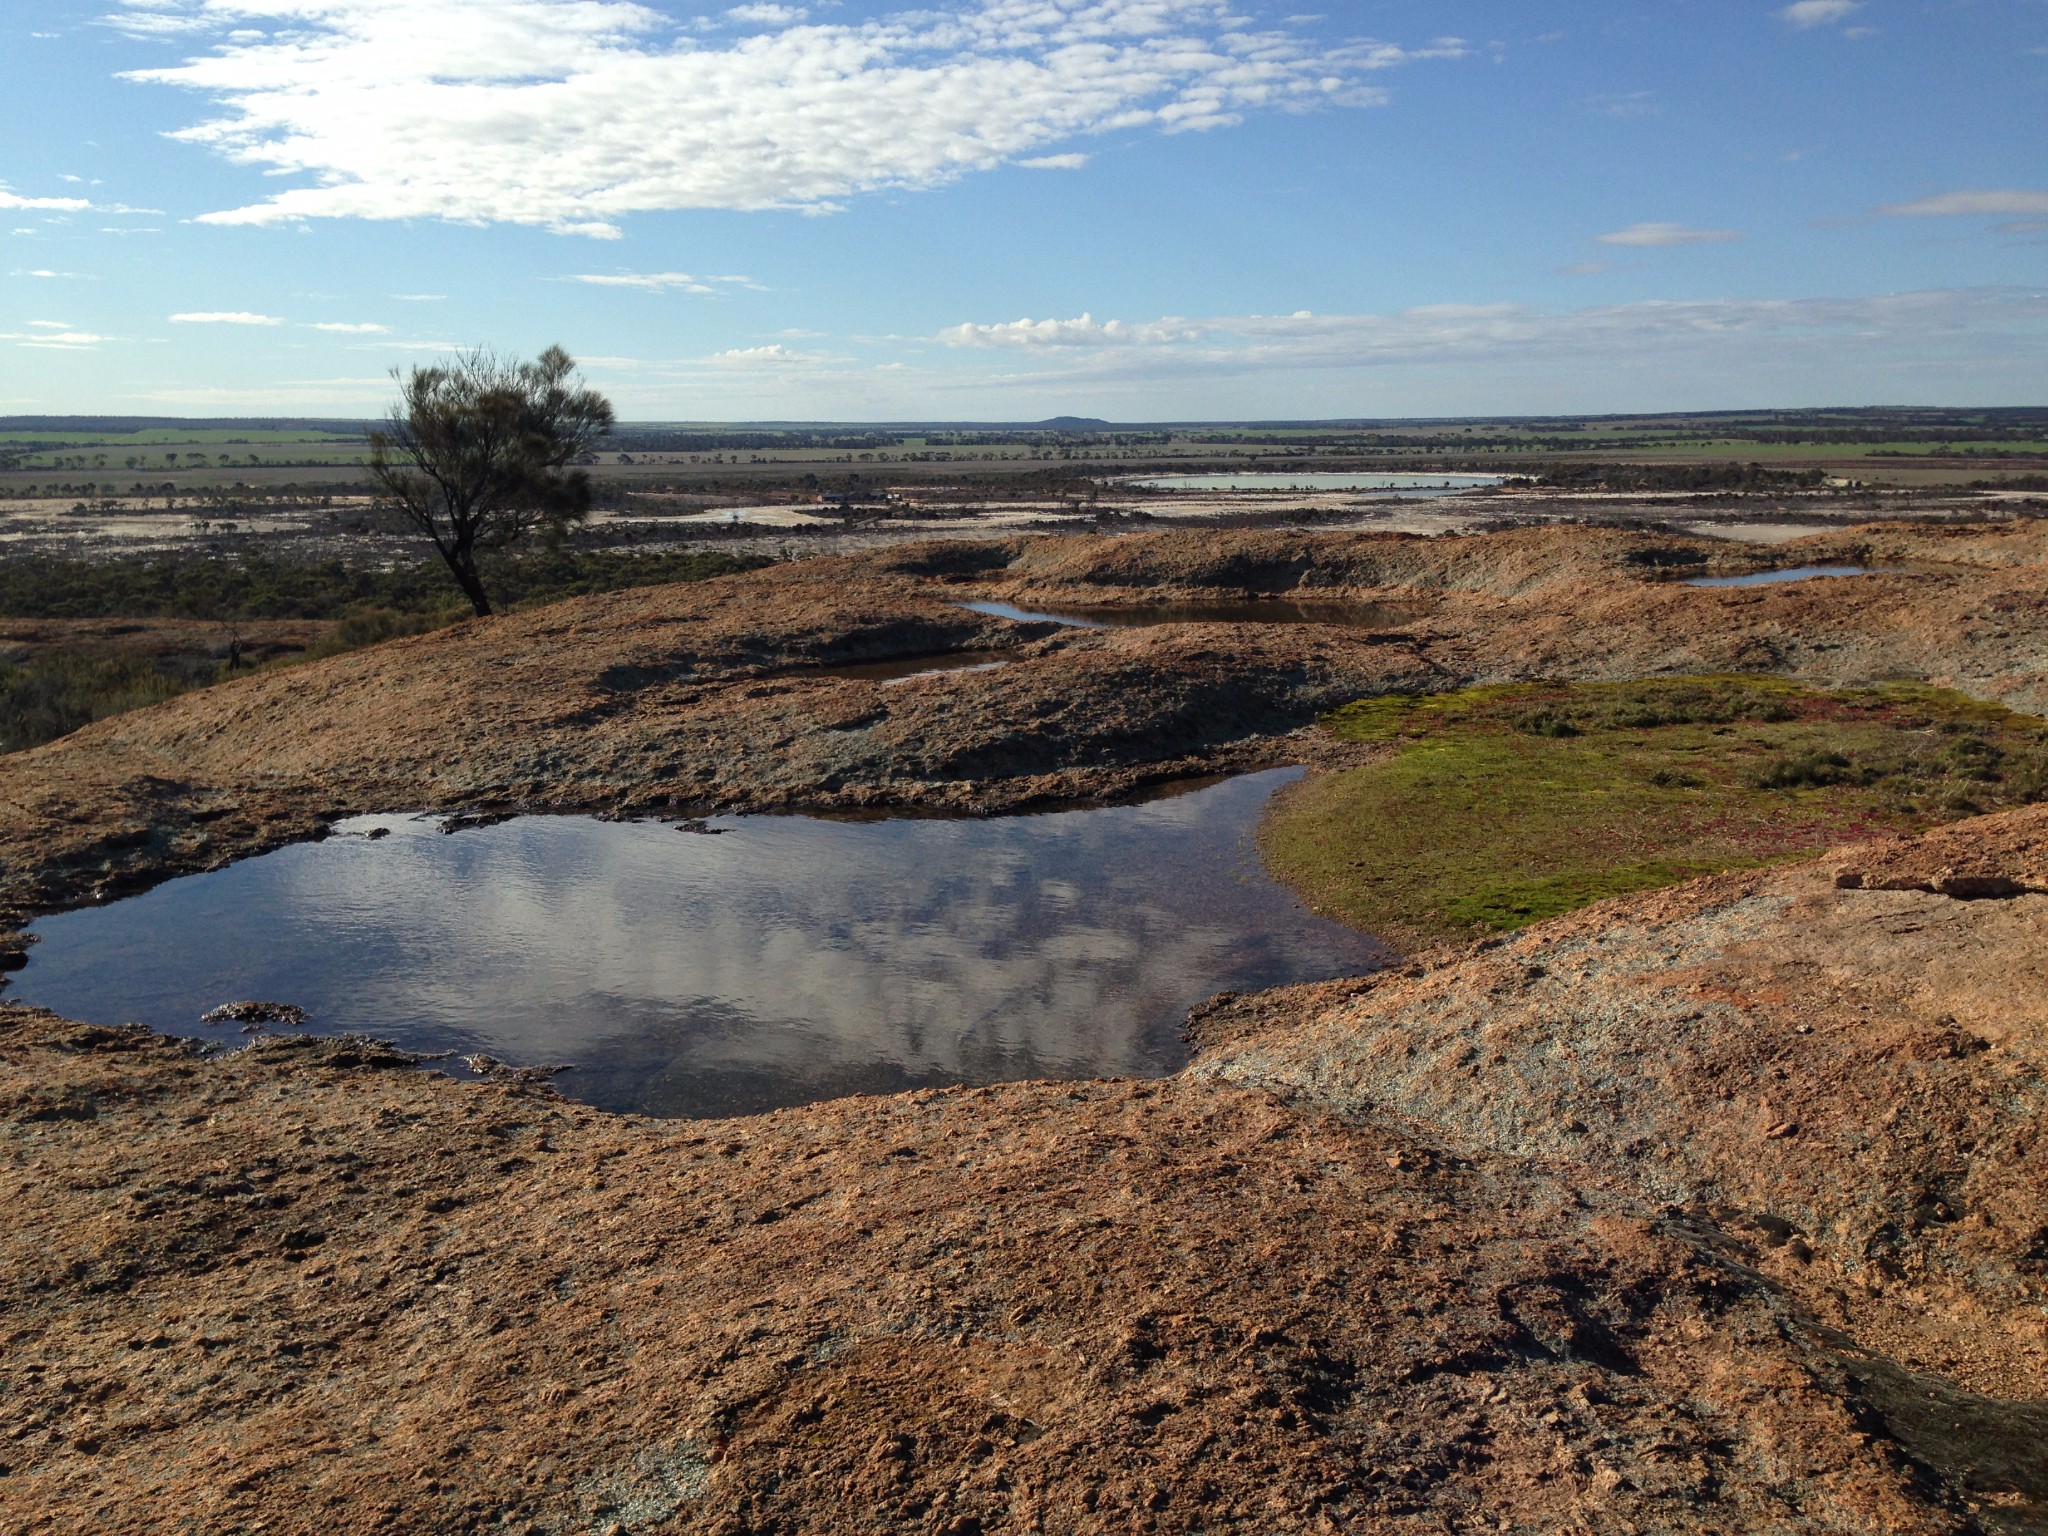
(1087, 331)
(571, 114)
(223, 317)
(1653, 235)
(14, 201)
(1070, 162)
(774, 355)
(1818, 13)
(1502, 333)
(2012, 202)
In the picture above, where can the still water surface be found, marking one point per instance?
(1789, 573)
(1250, 611)
(787, 960)
(1406, 485)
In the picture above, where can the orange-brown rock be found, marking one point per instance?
(1714, 1209)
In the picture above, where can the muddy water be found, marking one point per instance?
(1254, 611)
(787, 959)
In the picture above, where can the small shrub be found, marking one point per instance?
(53, 695)
(1805, 770)
(1544, 722)
(1674, 778)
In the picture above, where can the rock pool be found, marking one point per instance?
(784, 960)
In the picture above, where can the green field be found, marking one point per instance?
(1501, 806)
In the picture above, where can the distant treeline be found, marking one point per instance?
(1677, 477)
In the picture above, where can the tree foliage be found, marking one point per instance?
(479, 452)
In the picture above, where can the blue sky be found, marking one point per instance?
(1008, 209)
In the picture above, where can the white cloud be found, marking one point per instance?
(50, 336)
(775, 354)
(152, 24)
(572, 114)
(767, 15)
(662, 282)
(1084, 332)
(1653, 235)
(1055, 162)
(2011, 202)
(12, 200)
(15, 201)
(1497, 334)
(344, 328)
(1818, 13)
(223, 317)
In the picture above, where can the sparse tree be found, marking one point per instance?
(477, 454)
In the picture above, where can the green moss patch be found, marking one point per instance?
(1503, 805)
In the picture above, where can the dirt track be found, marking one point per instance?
(1708, 1210)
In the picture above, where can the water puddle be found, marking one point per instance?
(788, 960)
(1255, 611)
(1791, 573)
(1401, 485)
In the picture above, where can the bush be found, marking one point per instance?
(1806, 770)
(193, 587)
(54, 695)
(1544, 722)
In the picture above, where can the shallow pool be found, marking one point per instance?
(1406, 485)
(1790, 573)
(785, 960)
(1253, 611)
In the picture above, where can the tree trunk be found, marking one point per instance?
(462, 561)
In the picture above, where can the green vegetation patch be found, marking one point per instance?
(1504, 805)
(54, 695)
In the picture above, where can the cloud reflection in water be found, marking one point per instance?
(789, 959)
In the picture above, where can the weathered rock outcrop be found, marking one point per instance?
(1711, 1209)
